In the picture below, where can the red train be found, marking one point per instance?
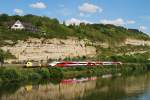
(75, 63)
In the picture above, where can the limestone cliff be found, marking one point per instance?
(137, 42)
(43, 49)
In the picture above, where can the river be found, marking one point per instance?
(120, 88)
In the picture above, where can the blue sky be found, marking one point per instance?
(128, 13)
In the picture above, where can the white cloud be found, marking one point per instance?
(18, 11)
(142, 28)
(130, 22)
(89, 8)
(38, 5)
(84, 15)
(76, 21)
(117, 22)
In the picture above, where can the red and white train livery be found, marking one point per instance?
(75, 63)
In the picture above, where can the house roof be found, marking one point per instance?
(18, 22)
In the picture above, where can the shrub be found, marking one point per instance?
(34, 76)
(1, 81)
(44, 73)
(56, 73)
(31, 75)
(11, 75)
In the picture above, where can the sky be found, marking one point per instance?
(128, 13)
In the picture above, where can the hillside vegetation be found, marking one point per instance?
(51, 28)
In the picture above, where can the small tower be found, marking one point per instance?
(17, 25)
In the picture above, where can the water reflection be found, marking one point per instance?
(129, 88)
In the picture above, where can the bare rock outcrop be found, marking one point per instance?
(43, 49)
(137, 42)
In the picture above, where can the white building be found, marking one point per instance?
(17, 25)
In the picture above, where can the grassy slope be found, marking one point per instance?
(52, 28)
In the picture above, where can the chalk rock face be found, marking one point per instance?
(137, 42)
(42, 49)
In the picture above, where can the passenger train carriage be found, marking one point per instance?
(88, 63)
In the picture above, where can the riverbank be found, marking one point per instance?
(51, 73)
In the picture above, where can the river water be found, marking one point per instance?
(120, 88)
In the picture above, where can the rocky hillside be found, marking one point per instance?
(45, 38)
(137, 42)
(43, 49)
